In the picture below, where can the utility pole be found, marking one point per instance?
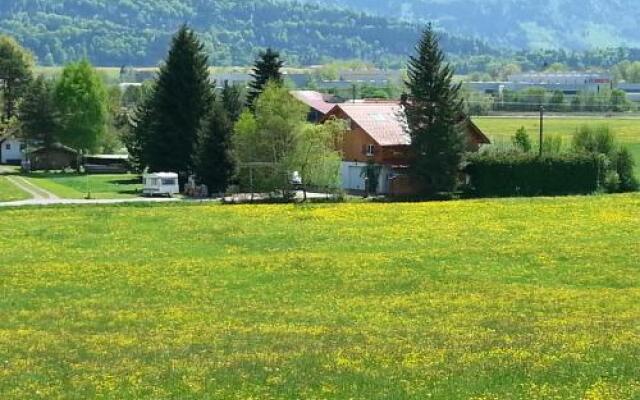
(541, 128)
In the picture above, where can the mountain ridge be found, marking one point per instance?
(568, 24)
(137, 32)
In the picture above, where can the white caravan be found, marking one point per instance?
(160, 184)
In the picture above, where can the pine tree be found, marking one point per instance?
(38, 114)
(433, 108)
(267, 69)
(182, 98)
(213, 160)
(232, 101)
(136, 137)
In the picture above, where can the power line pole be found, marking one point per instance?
(541, 128)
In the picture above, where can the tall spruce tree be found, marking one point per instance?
(38, 114)
(136, 137)
(183, 94)
(232, 101)
(267, 69)
(213, 161)
(433, 108)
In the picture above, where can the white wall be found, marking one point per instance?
(352, 177)
(10, 150)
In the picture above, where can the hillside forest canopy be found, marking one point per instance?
(137, 32)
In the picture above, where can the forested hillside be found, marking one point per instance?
(572, 24)
(116, 32)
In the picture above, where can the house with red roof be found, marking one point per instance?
(377, 133)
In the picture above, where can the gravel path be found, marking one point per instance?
(36, 192)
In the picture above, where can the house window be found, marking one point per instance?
(7, 146)
(371, 150)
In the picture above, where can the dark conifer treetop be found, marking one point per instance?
(266, 69)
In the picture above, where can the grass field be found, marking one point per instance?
(73, 186)
(501, 129)
(492, 299)
(9, 192)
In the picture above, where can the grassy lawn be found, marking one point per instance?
(500, 130)
(72, 186)
(491, 299)
(9, 192)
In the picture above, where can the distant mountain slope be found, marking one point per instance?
(116, 32)
(572, 24)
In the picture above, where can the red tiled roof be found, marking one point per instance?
(314, 100)
(383, 121)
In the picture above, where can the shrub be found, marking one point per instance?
(625, 165)
(611, 181)
(616, 163)
(552, 144)
(521, 140)
(599, 139)
(517, 174)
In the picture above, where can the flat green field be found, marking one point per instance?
(73, 186)
(492, 299)
(9, 192)
(501, 129)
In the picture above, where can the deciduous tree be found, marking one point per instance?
(15, 73)
(275, 141)
(81, 97)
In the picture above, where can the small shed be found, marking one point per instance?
(53, 157)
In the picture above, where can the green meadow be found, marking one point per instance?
(484, 299)
(77, 186)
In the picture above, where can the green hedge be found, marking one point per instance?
(515, 174)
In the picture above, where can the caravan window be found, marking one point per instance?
(168, 182)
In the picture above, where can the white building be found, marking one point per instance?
(11, 150)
